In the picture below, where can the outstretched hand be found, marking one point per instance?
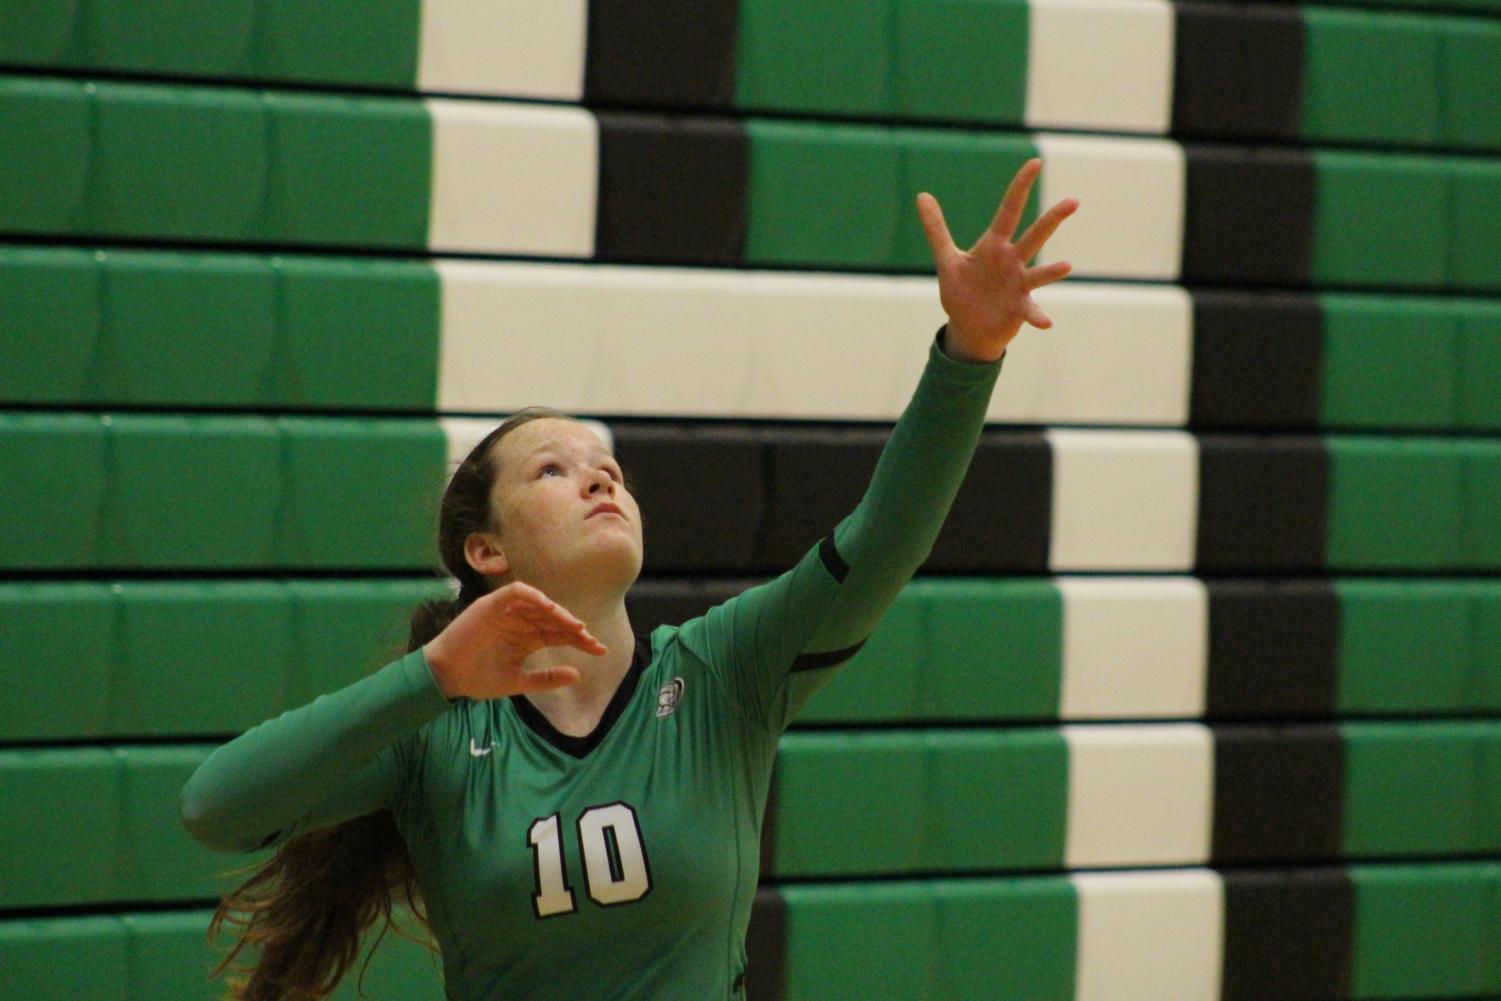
(987, 290)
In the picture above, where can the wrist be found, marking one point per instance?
(958, 347)
(438, 668)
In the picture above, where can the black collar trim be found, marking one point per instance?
(580, 746)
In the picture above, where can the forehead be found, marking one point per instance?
(549, 434)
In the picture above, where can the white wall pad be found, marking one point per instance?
(1134, 647)
(513, 178)
(633, 341)
(623, 340)
(503, 47)
(1130, 218)
(1149, 936)
(1116, 354)
(463, 433)
(1139, 794)
(1123, 500)
(1100, 64)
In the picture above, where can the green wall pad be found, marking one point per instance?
(134, 651)
(149, 956)
(142, 491)
(244, 166)
(169, 329)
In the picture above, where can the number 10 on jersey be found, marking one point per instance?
(615, 866)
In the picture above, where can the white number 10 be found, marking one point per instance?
(615, 866)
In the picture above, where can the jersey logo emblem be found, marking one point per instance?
(475, 750)
(668, 695)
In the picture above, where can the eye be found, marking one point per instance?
(550, 465)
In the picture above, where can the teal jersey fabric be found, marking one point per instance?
(622, 865)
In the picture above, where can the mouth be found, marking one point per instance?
(606, 509)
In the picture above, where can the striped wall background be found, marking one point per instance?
(1199, 694)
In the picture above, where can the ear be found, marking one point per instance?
(482, 550)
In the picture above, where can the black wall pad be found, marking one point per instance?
(1002, 518)
(814, 479)
(652, 603)
(661, 53)
(1238, 71)
(672, 189)
(1262, 503)
(701, 494)
(1289, 935)
(1278, 792)
(766, 947)
(1257, 361)
(1273, 647)
(1248, 216)
(999, 520)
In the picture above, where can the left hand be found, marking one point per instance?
(987, 290)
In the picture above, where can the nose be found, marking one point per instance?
(601, 480)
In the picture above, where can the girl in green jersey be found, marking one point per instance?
(473, 776)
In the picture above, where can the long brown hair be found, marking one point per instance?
(308, 906)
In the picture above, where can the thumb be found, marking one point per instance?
(936, 230)
(543, 678)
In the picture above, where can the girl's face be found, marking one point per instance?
(554, 475)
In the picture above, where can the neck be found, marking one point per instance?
(580, 706)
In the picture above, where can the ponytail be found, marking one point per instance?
(309, 906)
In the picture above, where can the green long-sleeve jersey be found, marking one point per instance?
(622, 864)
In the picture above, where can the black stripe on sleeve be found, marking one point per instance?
(813, 661)
(832, 560)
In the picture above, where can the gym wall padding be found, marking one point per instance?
(1197, 694)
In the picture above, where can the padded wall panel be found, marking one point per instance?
(1288, 934)
(1266, 198)
(1096, 65)
(1016, 939)
(1238, 69)
(513, 48)
(1141, 794)
(635, 53)
(965, 61)
(1130, 222)
(967, 172)
(1428, 789)
(1410, 644)
(1370, 78)
(956, 794)
(1122, 499)
(1425, 928)
(1278, 792)
(173, 329)
(1262, 502)
(821, 195)
(1299, 619)
(828, 58)
(1116, 354)
(953, 650)
(1148, 936)
(636, 341)
(1398, 357)
(1413, 496)
(1353, 241)
(1257, 360)
(671, 190)
(512, 179)
(156, 491)
(1133, 647)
